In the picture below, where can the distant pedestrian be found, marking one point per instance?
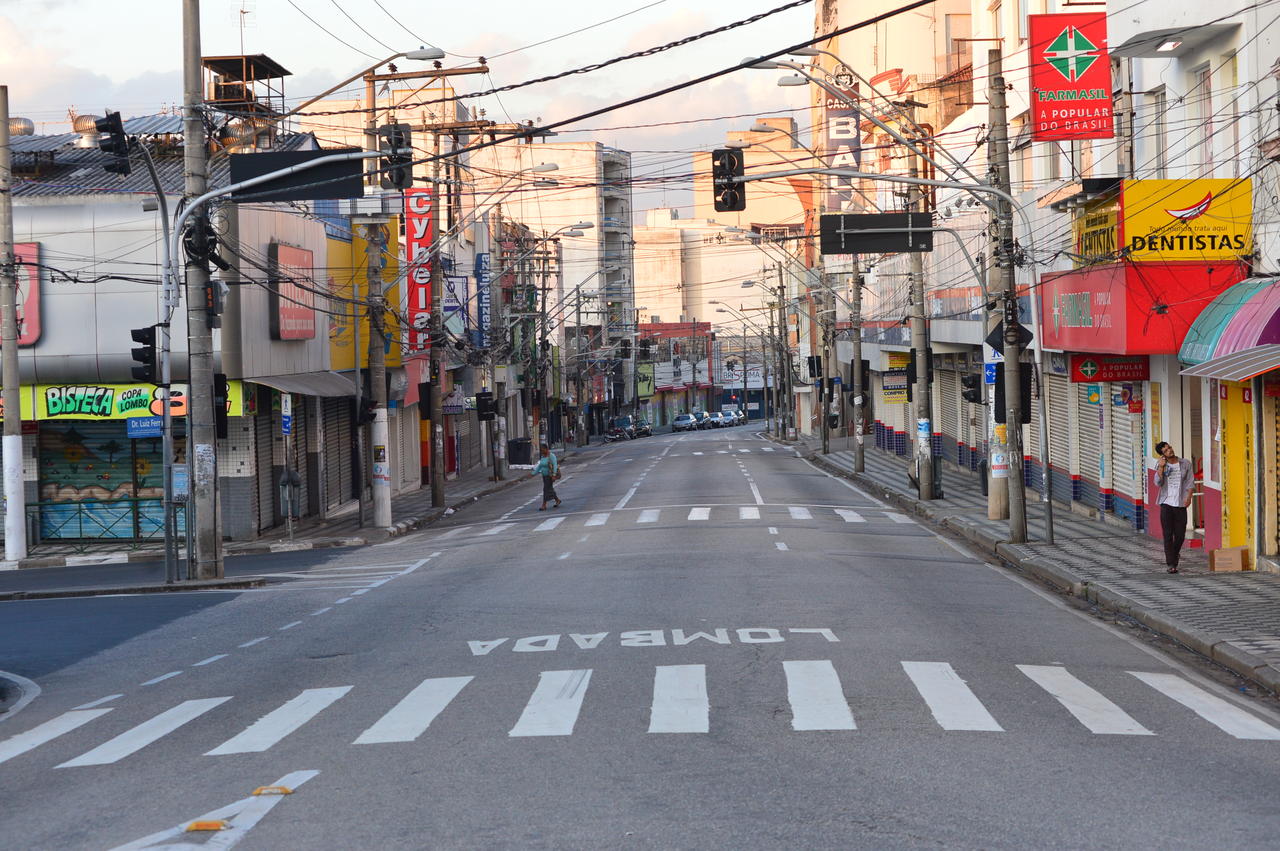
(1175, 481)
(549, 468)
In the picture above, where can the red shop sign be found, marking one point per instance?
(1070, 77)
(419, 239)
(1087, 369)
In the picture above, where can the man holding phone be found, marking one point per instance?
(1175, 481)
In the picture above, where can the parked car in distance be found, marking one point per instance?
(722, 420)
(703, 418)
(643, 429)
(626, 425)
(741, 415)
(685, 422)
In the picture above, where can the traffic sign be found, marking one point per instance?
(989, 373)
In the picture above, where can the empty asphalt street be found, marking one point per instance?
(710, 644)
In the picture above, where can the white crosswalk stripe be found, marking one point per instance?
(545, 526)
(680, 703)
(1225, 716)
(952, 703)
(134, 740)
(898, 518)
(597, 519)
(409, 718)
(649, 515)
(748, 512)
(275, 725)
(1087, 704)
(48, 731)
(501, 527)
(799, 512)
(766, 449)
(700, 513)
(816, 697)
(850, 516)
(553, 709)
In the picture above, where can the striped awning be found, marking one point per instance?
(1238, 366)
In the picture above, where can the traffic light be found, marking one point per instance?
(395, 142)
(646, 349)
(972, 384)
(145, 355)
(485, 408)
(999, 410)
(624, 349)
(113, 143)
(364, 415)
(730, 196)
(221, 399)
(815, 366)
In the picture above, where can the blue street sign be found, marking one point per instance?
(286, 423)
(989, 373)
(144, 426)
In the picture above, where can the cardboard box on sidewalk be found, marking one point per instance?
(1229, 559)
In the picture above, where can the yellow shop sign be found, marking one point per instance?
(1169, 220)
(115, 401)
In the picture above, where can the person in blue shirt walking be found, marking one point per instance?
(549, 468)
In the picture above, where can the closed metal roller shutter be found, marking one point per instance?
(1058, 402)
(948, 416)
(410, 448)
(263, 432)
(338, 488)
(1090, 445)
(1126, 456)
(299, 444)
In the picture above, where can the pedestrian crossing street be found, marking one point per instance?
(681, 701)
(701, 514)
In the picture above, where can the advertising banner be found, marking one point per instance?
(114, 401)
(419, 234)
(1086, 369)
(484, 298)
(347, 266)
(893, 390)
(1195, 220)
(1070, 77)
(292, 302)
(842, 143)
(457, 297)
(644, 380)
(27, 271)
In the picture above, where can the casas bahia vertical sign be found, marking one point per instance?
(1070, 77)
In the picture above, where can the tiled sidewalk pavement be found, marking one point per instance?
(1233, 618)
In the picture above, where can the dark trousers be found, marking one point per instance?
(1173, 523)
(549, 489)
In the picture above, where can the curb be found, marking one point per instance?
(1217, 650)
(16, 692)
(101, 591)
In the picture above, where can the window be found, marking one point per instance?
(1231, 77)
(1156, 132)
(1201, 102)
(1022, 20)
(1053, 161)
(997, 20)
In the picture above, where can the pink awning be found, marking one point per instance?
(1255, 323)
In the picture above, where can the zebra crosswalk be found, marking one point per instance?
(698, 514)
(683, 700)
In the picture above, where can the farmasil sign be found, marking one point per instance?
(1070, 77)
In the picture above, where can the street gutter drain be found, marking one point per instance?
(207, 825)
(273, 790)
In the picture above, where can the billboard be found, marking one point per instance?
(644, 380)
(292, 301)
(27, 272)
(1070, 77)
(1194, 220)
(419, 236)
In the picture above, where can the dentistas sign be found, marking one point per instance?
(1070, 77)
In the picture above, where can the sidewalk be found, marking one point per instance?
(1232, 618)
(409, 511)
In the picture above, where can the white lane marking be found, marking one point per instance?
(755, 491)
(1230, 719)
(680, 702)
(583, 539)
(257, 640)
(799, 512)
(553, 708)
(501, 527)
(1088, 705)
(622, 503)
(722, 451)
(451, 533)
(411, 717)
(649, 515)
(145, 733)
(768, 449)
(697, 453)
(49, 730)
(280, 722)
(773, 530)
(161, 678)
(291, 625)
(781, 546)
(850, 516)
(360, 591)
(563, 556)
(91, 704)
(700, 513)
(898, 518)
(952, 703)
(748, 512)
(322, 611)
(597, 520)
(816, 697)
(342, 600)
(210, 660)
(744, 450)
(549, 524)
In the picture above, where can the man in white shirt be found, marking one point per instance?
(1175, 481)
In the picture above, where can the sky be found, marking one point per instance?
(60, 57)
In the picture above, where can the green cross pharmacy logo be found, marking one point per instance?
(1089, 368)
(1071, 54)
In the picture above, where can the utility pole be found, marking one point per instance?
(437, 383)
(202, 443)
(375, 244)
(920, 346)
(824, 364)
(15, 503)
(1006, 283)
(580, 430)
(859, 460)
(784, 361)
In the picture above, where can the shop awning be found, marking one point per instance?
(309, 383)
(1247, 309)
(1238, 366)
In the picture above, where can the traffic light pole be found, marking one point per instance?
(859, 458)
(375, 245)
(919, 344)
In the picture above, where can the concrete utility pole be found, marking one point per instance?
(824, 361)
(916, 201)
(202, 443)
(1006, 283)
(859, 460)
(15, 504)
(437, 382)
(784, 360)
(375, 245)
